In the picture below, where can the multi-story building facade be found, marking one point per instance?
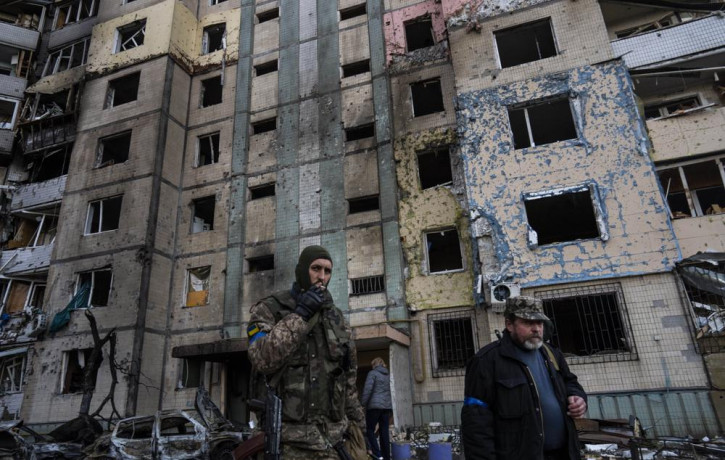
(169, 159)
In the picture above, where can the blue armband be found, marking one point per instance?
(471, 401)
(253, 333)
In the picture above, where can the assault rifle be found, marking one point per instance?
(272, 407)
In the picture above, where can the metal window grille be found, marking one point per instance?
(707, 303)
(367, 285)
(452, 342)
(590, 323)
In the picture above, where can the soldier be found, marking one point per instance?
(300, 342)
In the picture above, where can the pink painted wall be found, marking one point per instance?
(395, 25)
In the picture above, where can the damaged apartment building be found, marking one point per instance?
(166, 160)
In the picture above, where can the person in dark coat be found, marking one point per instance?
(520, 397)
(377, 403)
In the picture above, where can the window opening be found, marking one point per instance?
(356, 68)
(525, 43)
(68, 57)
(367, 285)
(75, 11)
(103, 215)
(263, 126)
(265, 68)
(12, 369)
(419, 33)
(177, 426)
(8, 111)
(192, 371)
(267, 15)
(211, 91)
(123, 90)
(444, 251)
(50, 163)
(562, 216)
(260, 264)
(131, 35)
(208, 149)
(359, 132)
(671, 108)
(197, 286)
(452, 342)
(37, 295)
(667, 20)
(589, 322)
(136, 429)
(353, 11)
(702, 276)
(363, 204)
(113, 149)
(262, 191)
(434, 168)
(542, 123)
(213, 38)
(203, 214)
(74, 366)
(694, 189)
(427, 97)
(100, 282)
(17, 296)
(216, 2)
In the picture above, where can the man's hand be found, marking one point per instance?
(577, 406)
(309, 303)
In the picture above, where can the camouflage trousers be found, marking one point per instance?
(295, 453)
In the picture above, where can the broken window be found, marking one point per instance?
(130, 36)
(50, 163)
(207, 149)
(75, 11)
(136, 428)
(363, 204)
(103, 215)
(37, 230)
(671, 108)
(263, 126)
(265, 68)
(434, 168)
(452, 342)
(37, 296)
(203, 214)
(427, 97)
(211, 91)
(113, 149)
(419, 33)
(589, 321)
(353, 11)
(176, 425)
(525, 43)
(100, 282)
(197, 286)
(367, 285)
(443, 251)
(356, 68)
(268, 15)
(563, 215)
(703, 276)
(192, 372)
(73, 370)
(12, 369)
(355, 133)
(123, 90)
(68, 57)
(216, 2)
(667, 20)
(214, 38)
(8, 112)
(695, 189)
(17, 296)
(260, 264)
(542, 123)
(261, 191)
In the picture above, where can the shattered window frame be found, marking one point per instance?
(99, 209)
(428, 173)
(10, 123)
(102, 159)
(453, 339)
(520, 36)
(684, 190)
(69, 384)
(75, 11)
(417, 25)
(118, 85)
(12, 373)
(69, 54)
(426, 97)
(597, 209)
(216, 2)
(96, 298)
(198, 223)
(197, 286)
(673, 107)
(130, 36)
(597, 308)
(209, 33)
(206, 89)
(533, 130)
(212, 141)
(28, 292)
(702, 278)
(191, 368)
(427, 244)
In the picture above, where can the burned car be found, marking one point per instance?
(18, 442)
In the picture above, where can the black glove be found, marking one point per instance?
(309, 303)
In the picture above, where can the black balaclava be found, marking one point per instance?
(308, 255)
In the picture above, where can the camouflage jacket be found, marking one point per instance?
(318, 364)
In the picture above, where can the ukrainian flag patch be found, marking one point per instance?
(252, 330)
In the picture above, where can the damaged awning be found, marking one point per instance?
(701, 271)
(217, 351)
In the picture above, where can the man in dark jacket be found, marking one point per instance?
(520, 396)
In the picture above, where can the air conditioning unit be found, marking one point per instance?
(500, 292)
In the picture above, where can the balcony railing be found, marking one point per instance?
(37, 194)
(25, 261)
(693, 133)
(47, 132)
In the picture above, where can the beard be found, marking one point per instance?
(533, 343)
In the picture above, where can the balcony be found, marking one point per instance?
(26, 261)
(48, 132)
(17, 36)
(38, 194)
(690, 39)
(689, 134)
(12, 86)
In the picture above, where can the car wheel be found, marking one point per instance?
(224, 451)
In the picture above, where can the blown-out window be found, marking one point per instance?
(694, 188)
(197, 286)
